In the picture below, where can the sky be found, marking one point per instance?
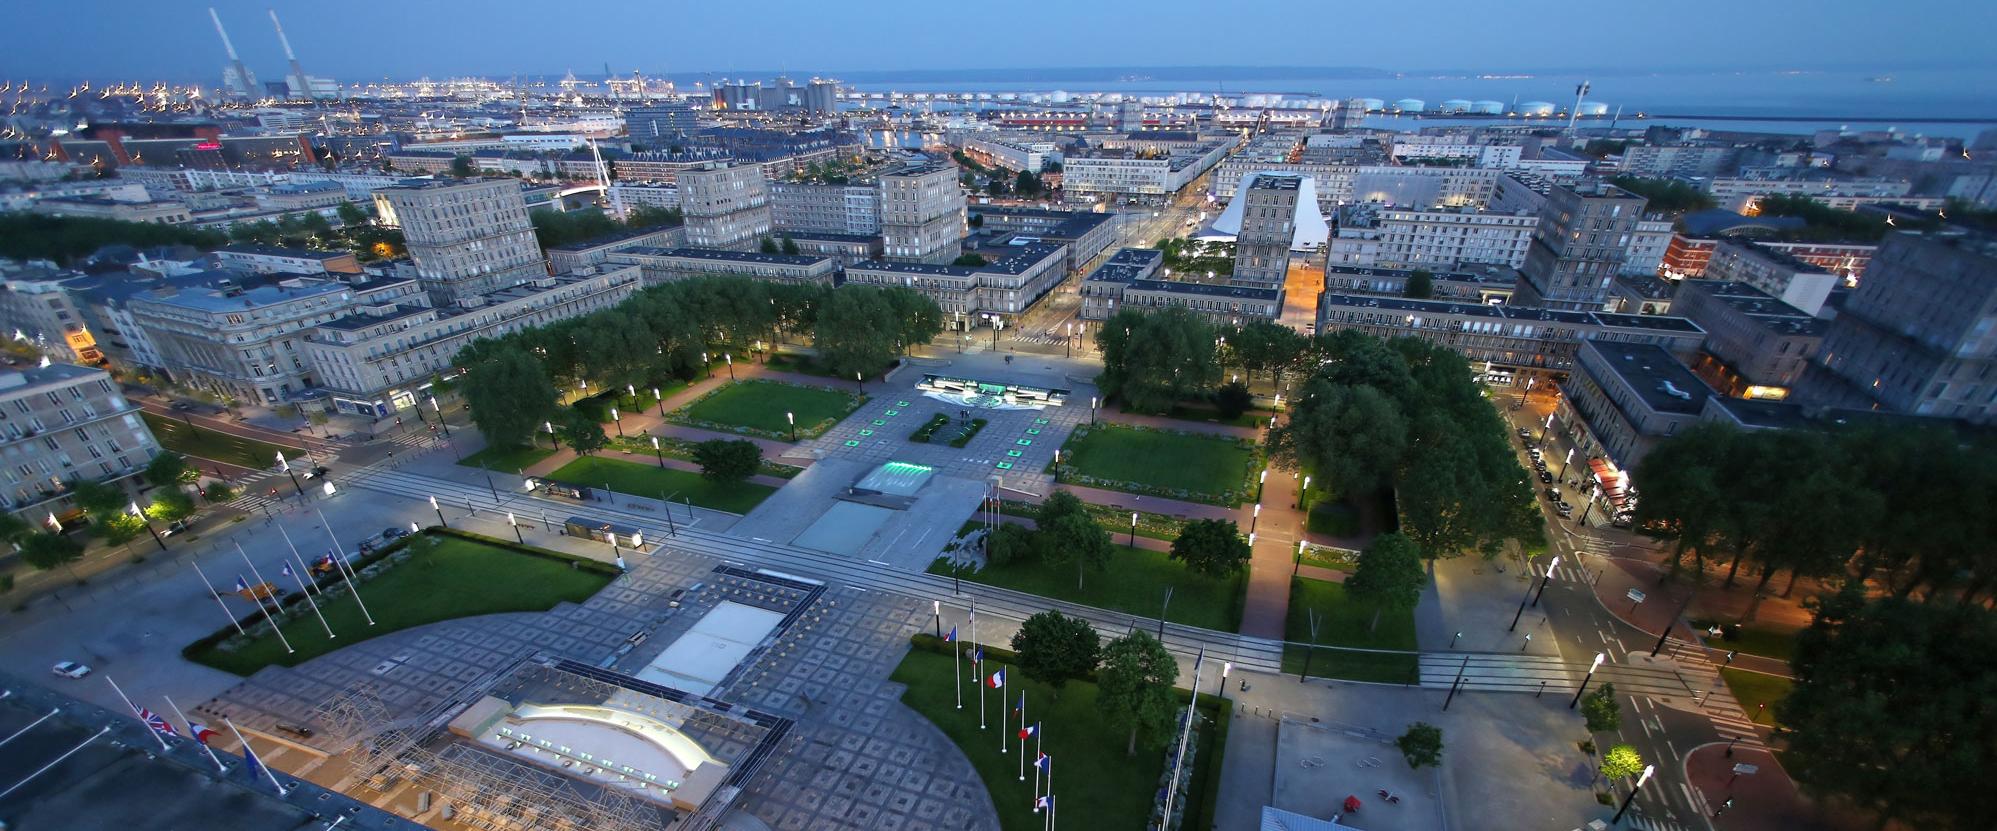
(354, 40)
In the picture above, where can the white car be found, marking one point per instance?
(70, 669)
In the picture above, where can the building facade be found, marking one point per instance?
(60, 424)
(666, 265)
(1580, 245)
(1132, 279)
(997, 291)
(1268, 224)
(467, 237)
(1919, 335)
(1771, 270)
(726, 206)
(922, 214)
(1757, 346)
(838, 209)
(1510, 337)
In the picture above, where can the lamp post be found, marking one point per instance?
(1599, 657)
(1566, 462)
(149, 526)
(617, 418)
(439, 410)
(552, 438)
(294, 476)
(661, 401)
(1133, 529)
(1543, 580)
(857, 379)
(1260, 480)
(1297, 562)
(515, 525)
(440, 512)
(1303, 490)
(730, 359)
(1647, 770)
(792, 419)
(656, 451)
(1543, 430)
(1069, 341)
(1092, 409)
(1225, 668)
(1255, 518)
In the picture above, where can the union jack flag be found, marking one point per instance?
(158, 724)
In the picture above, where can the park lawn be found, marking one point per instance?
(1755, 688)
(1767, 642)
(186, 440)
(654, 482)
(1170, 461)
(1343, 622)
(1336, 519)
(1252, 417)
(507, 459)
(761, 405)
(1134, 582)
(458, 578)
(1096, 786)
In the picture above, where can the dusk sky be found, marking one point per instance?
(353, 40)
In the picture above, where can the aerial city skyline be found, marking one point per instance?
(908, 417)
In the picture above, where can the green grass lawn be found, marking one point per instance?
(1096, 785)
(1134, 582)
(655, 482)
(458, 578)
(761, 405)
(180, 438)
(1343, 622)
(1754, 688)
(1202, 468)
(507, 459)
(1753, 639)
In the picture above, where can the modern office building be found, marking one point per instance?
(244, 340)
(379, 356)
(661, 122)
(1757, 346)
(1771, 270)
(1268, 226)
(1919, 335)
(727, 206)
(666, 265)
(1507, 337)
(467, 237)
(997, 291)
(1582, 241)
(1133, 279)
(839, 209)
(62, 423)
(922, 214)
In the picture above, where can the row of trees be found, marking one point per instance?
(108, 508)
(1408, 415)
(671, 331)
(1065, 533)
(1133, 674)
(557, 228)
(1908, 506)
(68, 239)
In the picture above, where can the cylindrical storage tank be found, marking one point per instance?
(1593, 108)
(1488, 107)
(1454, 105)
(1373, 104)
(1411, 105)
(1536, 108)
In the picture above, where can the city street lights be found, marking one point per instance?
(1297, 562)
(550, 427)
(1092, 409)
(1070, 340)
(1303, 490)
(791, 418)
(617, 418)
(149, 526)
(730, 359)
(1528, 594)
(661, 401)
(1543, 430)
(1647, 770)
(1133, 529)
(857, 379)
(656, 451)
(1599, 657)
(294, 476)
(439, 410)
(515, 525)
(1255, 519)
(1260, 480)
(440, 512)
(1565, 462)
(1543, 580)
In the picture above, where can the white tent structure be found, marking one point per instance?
(1311, 228)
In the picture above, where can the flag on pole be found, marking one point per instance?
(978, 657)
(1028, 732)
(998, 678)
(241, 584)
(1045, 762)
(159, 725)
(252, 765)
(952, 637)
(286, 570)
(199, 731)
(1042, 803)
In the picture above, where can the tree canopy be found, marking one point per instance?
(1134, 687)
(1389, 576)
(1055, 648)
(727, 460)
(1421, 745)
(1152, 360)
(1213, 547)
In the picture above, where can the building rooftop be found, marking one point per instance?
(727, 256)
(1498, 275)
(1759, 306)
(1645, 285)
(280, 251)
(1715, 221)
(1276, 181)
(914, 268)
(1661, 323)
(35, 376)
(612, 238)
(1664, 384)
(1126, 265)
(829, 236)
(1206, 289)
(278, 290)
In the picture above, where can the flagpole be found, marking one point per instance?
(1022, 735)
(218, 598)
(135, 714)
(957, 665)
(1039, 742)
(294, 552)
(247, 753)
(263, 608)
(310, 602)
(345, 574)
(196, 736)
(1003, 682)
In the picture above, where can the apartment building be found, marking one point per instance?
(646, 194)
(1580, 245)
(60, 424)
(1011, 153)
(1144, 174)
(1757, 346)
(661, 121)
(1794, 281)
(466, 237)
(838, 209)
(576, 256)
(378, 356)
(1678, 161)
(666, 265)
(244, 339)
(665, 166)
(1647, 245)
(1086, 233)
(1373, 237)
(1268, 225)
(1510, 337)
(271, 259)
(1623, 399)
(1919, 334)
(844, 249)
(922, 214)
(999, 290)
(1133, 279)
(727, 206)
(1467, 284)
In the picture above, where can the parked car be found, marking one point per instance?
(1525, 432)
(70, 669)
(1545, 477)
(297, 730)
(180, 405)
(1565, 510)
(1553, 495)
(394, 532)
(176, 527)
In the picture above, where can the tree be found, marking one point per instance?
(169, 469)
(12, 528)
(100, 499)
(1077, 538)
(790, 246)
(1421, 745)
(1027, 184)
(1421, 285)
(1152, 360)
(1054, 648)
(861, 329)
(461, 167)
(1600, 709)
(969, 259)
(1620, 762)
(1231, 400)
(218, 492)
(1389, 576)
(727, 460)
(1213, 547)
(171, 505)
(509, 391)
(1134, 687)
(1891, 707)
(44, 551)
(351, 213)
(582, 433)
(120, 528)
(1008, 544)
(767, 246)
(1353, 437)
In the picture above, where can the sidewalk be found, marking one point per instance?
(1624, 574)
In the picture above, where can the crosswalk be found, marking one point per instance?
(1493, 672)
(1637, 819)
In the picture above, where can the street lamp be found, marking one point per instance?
(440, 416)
(1543, 430)
(1303, 490)
(1092, 409)
(515, 525)
(662, 401)
(1255, 519)
(730, 358)
(1260, 480)
(857, 379)
(550, 427)
(149, 526)
(1599, 657)
(294, 476)
(1133, 529)
(440, 512)
(1297, 562)
(792, 419)
(618, 419)
(658, 452)
(1647, 770)
(1565, 462)
(1544, 579)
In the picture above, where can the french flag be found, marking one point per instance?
(1045, 762)
(997, 680)
(978, 657)
(241, 584)
(200, 731)
(1027, 732)
(952, 637)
